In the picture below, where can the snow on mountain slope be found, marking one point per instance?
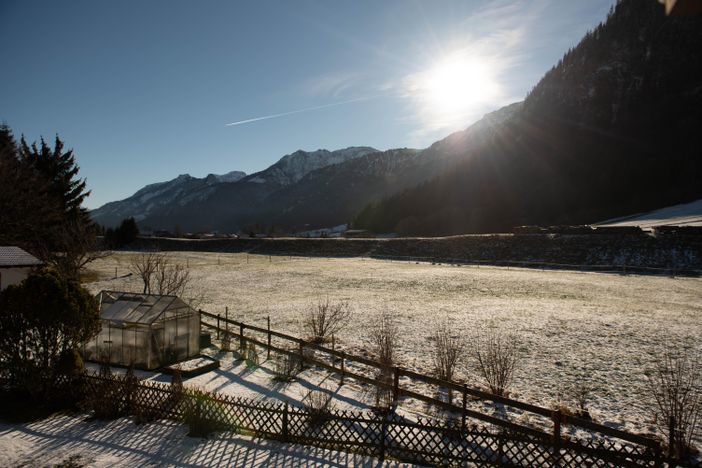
(147, 200)
(160, 200)
(293, 167)
(685, 214)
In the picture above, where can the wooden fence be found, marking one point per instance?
(384, 435)
(338, 362)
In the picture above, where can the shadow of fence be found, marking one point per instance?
(379, 434)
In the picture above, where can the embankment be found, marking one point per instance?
(635, 253)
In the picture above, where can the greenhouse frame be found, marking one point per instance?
(147, 331)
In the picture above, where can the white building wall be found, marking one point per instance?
(9, 276)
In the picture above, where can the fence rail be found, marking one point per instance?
(338, 364)
(384, 435)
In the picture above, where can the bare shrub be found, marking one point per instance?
(144, 266)
(318, 405)
(384, 336)
(675, 386)
(326, 318)
(251, 355)
(226, 342)
(160, 275)
(105, 401)
(497, 355)
(287, 366)
(203, 414)
(447, 350)
(581, 392)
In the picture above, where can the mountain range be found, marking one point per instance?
(612, 129)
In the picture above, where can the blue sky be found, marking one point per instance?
(143, 91)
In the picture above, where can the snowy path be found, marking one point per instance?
(61, 439)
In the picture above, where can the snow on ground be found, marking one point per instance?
(74, 438)
(686, 214)
(604, 330)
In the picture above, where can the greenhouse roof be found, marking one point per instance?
(134, 308)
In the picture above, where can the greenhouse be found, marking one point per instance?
(146, 330)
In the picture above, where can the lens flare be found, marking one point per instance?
(458, 85)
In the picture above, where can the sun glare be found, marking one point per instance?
(458, 85)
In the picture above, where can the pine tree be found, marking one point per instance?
(27, 210)
(40, 204)
(60, 170)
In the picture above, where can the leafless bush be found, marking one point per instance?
(497, 355)
(160, 274)
(384, 336)
(287, 366)
(319, 406)
(676, 388)
(144, 266)
(581, 392)
(251, 355)
(226, 344)
(203, 414)
(326, 318)
(447, 350)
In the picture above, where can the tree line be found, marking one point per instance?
(41, 204)
(44, 319)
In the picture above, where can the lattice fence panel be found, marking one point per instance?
(431, 442)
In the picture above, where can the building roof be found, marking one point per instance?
(123, 308)
(12, 257)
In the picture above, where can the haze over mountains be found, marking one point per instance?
(612, 129)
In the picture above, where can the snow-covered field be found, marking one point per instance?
(605, 330)
(73, 441)
(686, 214)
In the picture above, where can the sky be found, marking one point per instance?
(146, 91)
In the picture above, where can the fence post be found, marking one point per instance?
(242, 340)
(285, 422)
(396, 387)
(383, 431)
(501, 448)
(343, 371)
(556, 416)
(269, 337)
(226, 320)
(302, 354)
(218, 317)
(465, 404)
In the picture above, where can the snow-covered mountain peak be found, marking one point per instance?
(293, 167)
(231, 176)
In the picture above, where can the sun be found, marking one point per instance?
(458, 85)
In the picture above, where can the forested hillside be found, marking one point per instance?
(612, 129)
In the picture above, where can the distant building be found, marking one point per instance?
(15, 265)
(358, 233)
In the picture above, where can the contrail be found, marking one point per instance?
(298, 111)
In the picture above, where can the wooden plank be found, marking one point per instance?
(255, 328)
